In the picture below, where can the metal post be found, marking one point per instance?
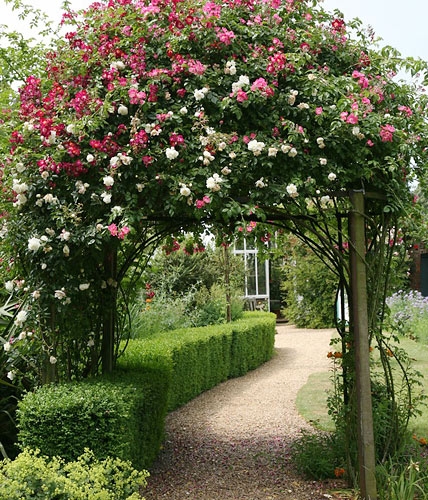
(366, 447)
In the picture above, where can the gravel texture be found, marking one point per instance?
(233, 442)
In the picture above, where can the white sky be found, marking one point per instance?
(402, 24)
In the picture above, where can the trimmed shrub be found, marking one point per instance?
(32, 476)
(197, 359)
(251, 346)
(123, 415)
(111, 416)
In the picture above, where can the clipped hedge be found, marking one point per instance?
(197, 359)
(116, 417)
(123, 415)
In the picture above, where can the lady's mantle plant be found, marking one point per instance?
(154, 111)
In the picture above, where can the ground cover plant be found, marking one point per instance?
(34, 476)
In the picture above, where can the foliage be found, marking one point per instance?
(395, 400)
(197, 359)
(185, 287)
(408, 314)
(120, 417)
(150, 117)
(404, 477)
(310, 287)
(34, 476)
(319, 455)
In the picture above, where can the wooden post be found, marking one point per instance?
(366, 447)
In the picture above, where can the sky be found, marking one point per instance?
(400, 24)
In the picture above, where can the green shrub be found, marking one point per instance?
(32, 476)
(319, 456)
(197, 359)
(113, 417)
(123, 415)
(310, 288)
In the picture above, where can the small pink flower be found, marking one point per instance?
(406, 110)
(370, 143)
(241, 96)
(113, 229)
(386, 133)
(353, 119)
(123, 232)
(319, 110)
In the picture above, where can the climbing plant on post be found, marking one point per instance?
(153, 116)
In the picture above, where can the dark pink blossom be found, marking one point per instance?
(387, 133)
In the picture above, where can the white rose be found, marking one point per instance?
(7, 346)
(292, 190)
(60, 294)
(21, 317)
(65, 235)
(114, 161)
(324, 199)
(84, 286)
(108, 181)
(199, 94)
(185, 191)
(9, 286)
(323, 161)
(106, 197)
(331, 176)
(19, 187)
(116, 211)
(34, 244)
(122, 110)
(171, 153)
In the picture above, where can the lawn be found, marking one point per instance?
(312, 397)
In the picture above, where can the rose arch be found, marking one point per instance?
(158, 116)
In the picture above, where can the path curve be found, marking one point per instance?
(233, 442)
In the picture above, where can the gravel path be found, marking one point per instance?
(233, 442)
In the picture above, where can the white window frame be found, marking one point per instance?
(245, 252)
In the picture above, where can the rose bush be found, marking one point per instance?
(155, 114)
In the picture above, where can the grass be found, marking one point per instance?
(312, 398)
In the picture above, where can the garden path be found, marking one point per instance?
(233, 442)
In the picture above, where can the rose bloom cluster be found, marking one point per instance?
(159, 109)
